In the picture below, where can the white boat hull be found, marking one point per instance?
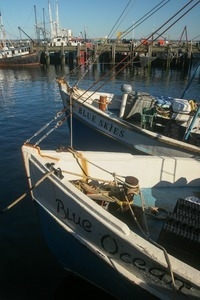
(96, 245)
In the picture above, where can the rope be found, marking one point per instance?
(152, 241)
(25, 194)
(58, 115)
(144, 18)
(167, 261)
(86, 176)
(79, 155)
(132, 212)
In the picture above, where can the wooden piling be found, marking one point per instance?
(113, 52)
(47, 56)
(62, 55)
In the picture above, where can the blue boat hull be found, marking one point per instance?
(77, 258)
(88, 138)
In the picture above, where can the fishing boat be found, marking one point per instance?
(131, 121)
(129, 224)
(16, 54)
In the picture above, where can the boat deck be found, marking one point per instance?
(174, 226)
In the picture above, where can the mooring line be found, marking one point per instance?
(25, 194)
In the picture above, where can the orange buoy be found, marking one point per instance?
(103, 103)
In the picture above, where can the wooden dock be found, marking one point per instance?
(113, 53)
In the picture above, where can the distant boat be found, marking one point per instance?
(16, 55)
(131, 121)
(129, 224)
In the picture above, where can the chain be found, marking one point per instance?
(58, 124)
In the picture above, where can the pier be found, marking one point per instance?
(114, 53)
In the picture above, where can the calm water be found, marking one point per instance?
(29, 99)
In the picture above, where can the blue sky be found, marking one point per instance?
(99, 18)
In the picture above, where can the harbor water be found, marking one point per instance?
(30, 99)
